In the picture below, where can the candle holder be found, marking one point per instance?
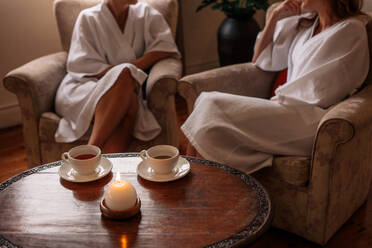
(120, 215)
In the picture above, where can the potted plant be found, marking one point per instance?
(237, 33)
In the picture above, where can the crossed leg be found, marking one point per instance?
(115, 115)
(121, 137)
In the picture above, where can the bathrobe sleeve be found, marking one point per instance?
(275, 56)
(338, 64)
(158, 35)
(86, 57)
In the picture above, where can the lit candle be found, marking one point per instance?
(120, 195)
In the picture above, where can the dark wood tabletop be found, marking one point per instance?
(213, 206)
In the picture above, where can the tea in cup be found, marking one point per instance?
(83, 159)
(161, 158)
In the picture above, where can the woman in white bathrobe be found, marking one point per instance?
(113, 44)
(326, 53)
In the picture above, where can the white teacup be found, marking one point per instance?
(162, 158)
(83, 159)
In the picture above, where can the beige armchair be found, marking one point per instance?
(312, 196)
(36, 82)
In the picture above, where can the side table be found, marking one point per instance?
(213, 206)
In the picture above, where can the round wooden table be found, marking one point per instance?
(213, 206)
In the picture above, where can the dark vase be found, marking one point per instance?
(236, 39)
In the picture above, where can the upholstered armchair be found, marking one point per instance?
(312, 196)
(36, 82)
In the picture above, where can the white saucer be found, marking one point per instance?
(181, 170)
(69, 174)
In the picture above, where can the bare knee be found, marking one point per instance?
(126, 82)
(125, 73)
(125, 78)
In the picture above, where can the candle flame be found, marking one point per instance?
(124, 241)
(117, 176)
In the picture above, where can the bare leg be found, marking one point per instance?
(120, 139)
(112, 108)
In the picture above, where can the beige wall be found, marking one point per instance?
(28, 30)
(367, 5)
(200, 34)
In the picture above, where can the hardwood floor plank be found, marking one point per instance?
(12, 152)
(11, 138)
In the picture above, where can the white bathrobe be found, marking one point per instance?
(245, 132)
(97, 43)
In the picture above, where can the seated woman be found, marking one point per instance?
(326, 52)
(113, 44)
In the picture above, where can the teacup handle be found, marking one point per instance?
(65, 157)
(143, 155)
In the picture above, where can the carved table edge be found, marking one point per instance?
(250, 233)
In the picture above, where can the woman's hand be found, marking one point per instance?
(284, 9)
(287, 8)
(149, 59)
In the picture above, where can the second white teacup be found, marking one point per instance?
(83, 159)
(161, 158)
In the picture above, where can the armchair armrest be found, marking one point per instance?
(40, 79)
(341, 164)
(169, 68)
(163, 77)
(35, 85)
(241, 79)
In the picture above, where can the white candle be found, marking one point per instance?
(120, 195)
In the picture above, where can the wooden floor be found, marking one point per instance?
(357, 232)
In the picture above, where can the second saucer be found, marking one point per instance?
(181, 169)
